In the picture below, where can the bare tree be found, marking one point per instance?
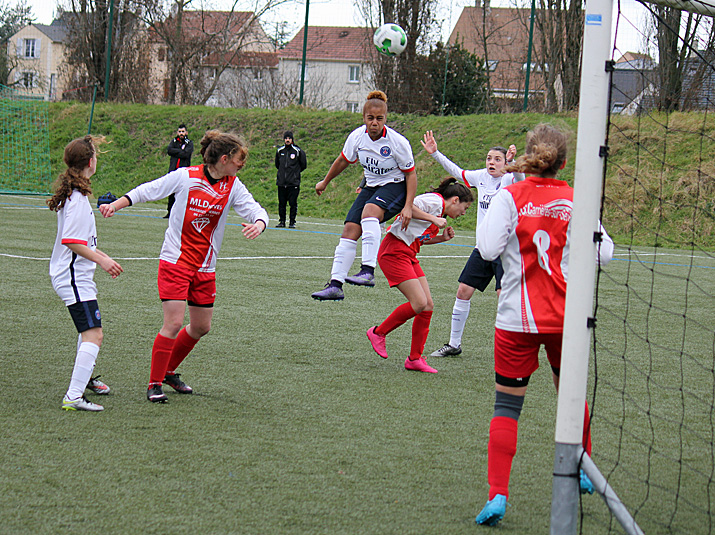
(12, 20)
(402, 77)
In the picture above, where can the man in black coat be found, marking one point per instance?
(180, 150)
(290, 162)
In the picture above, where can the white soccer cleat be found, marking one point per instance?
(81, 404)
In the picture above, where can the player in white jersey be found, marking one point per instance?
(477, 273)
(74, 259)
(528, 224)
(204, 194)
(398, 261)
(390, 186)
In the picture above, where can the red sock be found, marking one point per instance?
(420, 330)
(399, 316)
(502, 448)
(587, 431)
(183, 345)
(160, 353)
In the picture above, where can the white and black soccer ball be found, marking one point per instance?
(390, 39)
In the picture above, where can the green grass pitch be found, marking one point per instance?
(296, 425)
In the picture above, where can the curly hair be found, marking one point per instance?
(375, 99)
(216, 143)
(77, 156)
(451, 187)
(545, 154)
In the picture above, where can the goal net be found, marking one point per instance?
(24, 143)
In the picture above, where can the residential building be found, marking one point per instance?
(632, 83)
(338, 75)
(500, 37)
(37, 52)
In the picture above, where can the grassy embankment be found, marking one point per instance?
(637, 177)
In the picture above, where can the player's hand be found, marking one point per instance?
(448, 233)
(320, 187)
(511, 153)
(251, 230)
(107, 210)
(440, 222)
(429, 142)
(406, 216)
(110, 266)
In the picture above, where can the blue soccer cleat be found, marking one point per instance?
(493, 511)
(362, 278)
(585, 485)
(330, 293)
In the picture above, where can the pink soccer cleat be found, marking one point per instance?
(419, 365)
(377, 341)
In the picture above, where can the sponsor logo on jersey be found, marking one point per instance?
(200, 223)
(203, 203)
(97, 314)
(556, 209)
(223, 186)
(385, 151)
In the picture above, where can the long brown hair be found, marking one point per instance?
(78, 154)
(216, 143)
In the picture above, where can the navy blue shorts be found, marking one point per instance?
(478, 272)
(390, 197)
(85, 315)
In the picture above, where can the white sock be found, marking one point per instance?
(343, 259)
(460, 313)
(79, 341)
(82, 372)
(370, 240)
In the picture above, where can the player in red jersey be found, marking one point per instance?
(527, 225)
(74, 259)
(204, 194)
(398, 261)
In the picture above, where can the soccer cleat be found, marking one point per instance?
(80, 404)
(281, 225)
(155, 394)
(419, 365)
(362, 278)
(447, 351)
(177, 384)
(493, 511)
(585, 485)
(377, 341)
(97, 386)
(330, 293)
(292, 225)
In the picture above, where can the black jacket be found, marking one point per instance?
(290, 161)
(180, 152)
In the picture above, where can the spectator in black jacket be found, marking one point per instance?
(180, 150)
(290, 162)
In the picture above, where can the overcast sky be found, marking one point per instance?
(343, 13)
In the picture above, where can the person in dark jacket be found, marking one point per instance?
(290, 162)
(180, 150)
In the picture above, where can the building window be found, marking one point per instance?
(161, 56)
(492, 65)
(31, 48)
(535, 67)
(28, 80)
(354, 74)
(352, 107)
(258, 74)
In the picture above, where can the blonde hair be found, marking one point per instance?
(78, 153)
(375, 99)
(545, 153)
(215, 144)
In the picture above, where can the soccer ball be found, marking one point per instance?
(390, 39)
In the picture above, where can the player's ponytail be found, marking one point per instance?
(77, 156)
(450, 187)
(545, 154)
(215, 144)
(375, 99)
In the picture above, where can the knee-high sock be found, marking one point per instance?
(503, 432)
(587, 431)
(420, 330)
(460, 313)
(399, 316)
(183, 345)
(343, 259)
(160, 354)
(370, 240)
(82, 371)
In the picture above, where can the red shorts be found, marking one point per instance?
(516, 354)
(397, 261)
(183, 284)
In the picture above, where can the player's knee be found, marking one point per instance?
(465, 292)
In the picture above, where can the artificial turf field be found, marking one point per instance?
(296, 425)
